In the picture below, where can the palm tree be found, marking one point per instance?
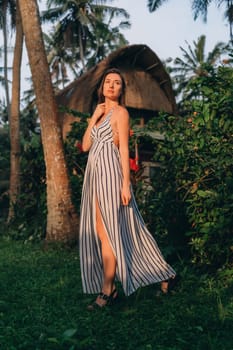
(229, 16)
(59, 60)
(78, 23)
(195, 62)
(10, 14)
(105, 38)
(15, 117)
(200, 8)
(62, 220)
(7, 11)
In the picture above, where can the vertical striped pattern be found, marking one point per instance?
(139, 260)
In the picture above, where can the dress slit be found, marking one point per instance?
(104, 226)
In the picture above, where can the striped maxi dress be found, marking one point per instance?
(139, 260)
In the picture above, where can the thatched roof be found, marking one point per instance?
(148, 85)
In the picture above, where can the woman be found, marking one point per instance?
(114, 241)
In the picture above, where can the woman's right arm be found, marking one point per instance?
(87, 141)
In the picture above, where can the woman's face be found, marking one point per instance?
(112, 86)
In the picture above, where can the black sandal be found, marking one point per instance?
(108, 300)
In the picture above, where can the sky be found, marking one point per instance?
(165, 30)
(169, 27)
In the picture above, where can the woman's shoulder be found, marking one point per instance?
(122, 109)
(120, 116)
(121, 113)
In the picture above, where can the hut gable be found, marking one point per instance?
(148, 85)
(150, 96)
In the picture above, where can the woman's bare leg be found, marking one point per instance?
(109, 259)
(164, 287)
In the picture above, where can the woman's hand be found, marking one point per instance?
(86, 141)
(99, 111)
(125, 194)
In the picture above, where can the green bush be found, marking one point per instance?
(193, 190)
(4, 170)
(76, 158)
(29, 222)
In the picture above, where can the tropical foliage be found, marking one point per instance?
(195, 62)
(192, 191)
(83, 34)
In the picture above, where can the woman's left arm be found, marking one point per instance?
(123, 129)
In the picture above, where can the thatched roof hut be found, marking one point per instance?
(148, 85)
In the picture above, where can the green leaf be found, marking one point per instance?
(69, 333)
(205, 194)
(53, 340)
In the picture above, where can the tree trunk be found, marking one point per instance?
(62, 221)
(15, 117)
(5, 44)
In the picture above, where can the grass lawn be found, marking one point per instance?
(42, 307)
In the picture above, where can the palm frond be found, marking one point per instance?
(200, 7)
(153, 5)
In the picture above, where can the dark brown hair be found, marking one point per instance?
(100, 89)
